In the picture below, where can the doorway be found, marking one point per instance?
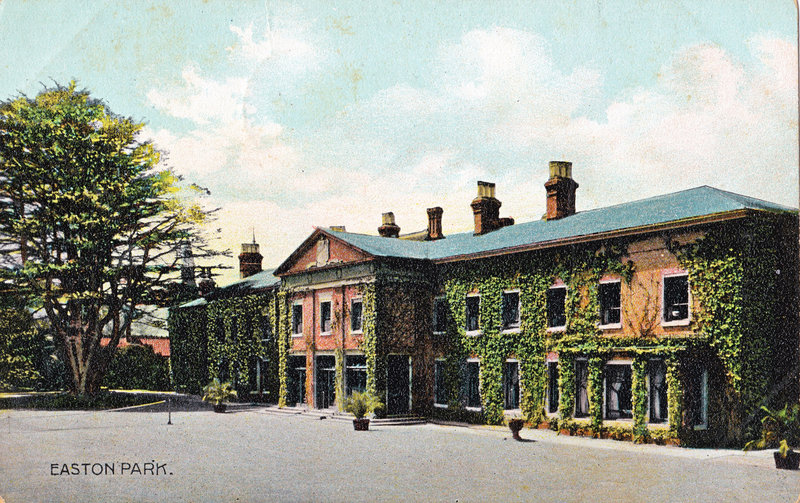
(398, 373)
(326, 381)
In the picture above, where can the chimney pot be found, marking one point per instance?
(249, 260)
(435, 224)
(388, 228)
(560, 191)
(486, 210)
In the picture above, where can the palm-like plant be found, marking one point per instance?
(360, 404)
(218, 392)
(779, 429)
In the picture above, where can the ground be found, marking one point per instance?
(249, 455)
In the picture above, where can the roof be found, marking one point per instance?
(255, 283)
(678, 207)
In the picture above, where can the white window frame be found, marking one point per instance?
(611, 326)
(302, 315)
(353, 300)
(688, 319)
(560, 328)
(512, 328)
(477, 331)
(330, 311)
(435, 404)
(434, 319)
(629, 363)
(475, 409)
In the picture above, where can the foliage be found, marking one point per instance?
(360, 404)
(66, 401)
(280, 317)
(94, 224)
(339, 364)
(138, 367)
(640, 395)
(218, 392)
(779, 429)
(188, 348)
(372, 344)
(22, 348)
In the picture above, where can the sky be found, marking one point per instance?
(311, 113)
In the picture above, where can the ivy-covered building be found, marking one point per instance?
(669, 318)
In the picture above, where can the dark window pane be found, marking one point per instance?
(440, 391)
(471, 383)
(511, 385)
(658, 391)
(440, 315)
(297, 379)
(618, 392)
(510, 309)
(552, 387)
(695, 394)
(556, 312)
(676, 298)
(581, 388)
(325, 317)
(609, 303)
(356, 374)
(473, 311)
(297, 319)
(355, 316)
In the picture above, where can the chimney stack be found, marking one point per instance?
(435, 224)
(249, 259)
(388, 229)
(486, 210)
(560, 191)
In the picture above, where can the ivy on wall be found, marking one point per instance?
(639, 399)
(284, 339)
(188, 348)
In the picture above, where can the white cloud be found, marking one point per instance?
(277, 43)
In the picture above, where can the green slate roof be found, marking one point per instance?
(688, 204)
(258, 282)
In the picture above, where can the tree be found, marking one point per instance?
(22, 348)
(90, 228)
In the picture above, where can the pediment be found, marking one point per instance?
(322, 250)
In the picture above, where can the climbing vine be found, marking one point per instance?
(284, 345)
(188, 348)
(639, 399)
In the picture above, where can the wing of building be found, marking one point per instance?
(671, 318)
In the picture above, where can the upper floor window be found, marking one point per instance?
(297, 318)
(325, 317)
(356, 315)
(676, 298)
(609, 293)
(510, 310)
(473, 313)
(556, 307)
(439, 314)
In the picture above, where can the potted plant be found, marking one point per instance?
(359, 405)
(515, 425)
(780, 429)
(218, 393)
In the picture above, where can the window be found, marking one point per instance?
(297, 319)
(658, 391)
(355, 374)
(473, 313)
(510, 310)
(325, 317)
(695, 396)
(511, 385)
(296, 384)
(471, 382)
(440, 315)
(676, 298)
(581, 388)
(609, 303)
(440, 394)
(618, 392)
(556, 302)
(552, 387)
(356, 310)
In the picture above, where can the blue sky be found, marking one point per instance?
(302, 114)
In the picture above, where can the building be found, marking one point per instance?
(669, 318)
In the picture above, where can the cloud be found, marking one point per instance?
(278, 44)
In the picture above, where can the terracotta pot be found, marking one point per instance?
(563, 432)
(361, 424)
(790, 462)
(515, 425)
(543, 426)
(220, 407)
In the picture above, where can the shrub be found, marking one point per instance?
(360, 404)
(138, 367)
(218, 392)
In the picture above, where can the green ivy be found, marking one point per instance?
(640, 395)
(188, 348)
(339, 385)
(595, 391)
(281, 312)
(566, 387)
(674, 394)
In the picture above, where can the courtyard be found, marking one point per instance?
(250, 455)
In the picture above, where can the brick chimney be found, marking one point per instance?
(435, 224)
(486, 210)
(388, 228)
(560, 191)
(249, 259)
(206, 284)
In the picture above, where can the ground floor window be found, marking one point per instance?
(657, 373)
(695, 395)
(511, 384)
(259, 376)
(326, 381)
(440, 395)
(471, 381)
(618, 391)
(552, 387)
(296, 383)
(581, 388)
(356, 374)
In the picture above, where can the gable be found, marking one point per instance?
(322, 250)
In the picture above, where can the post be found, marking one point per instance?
(169, 410)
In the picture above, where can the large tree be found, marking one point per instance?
(90, 226)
